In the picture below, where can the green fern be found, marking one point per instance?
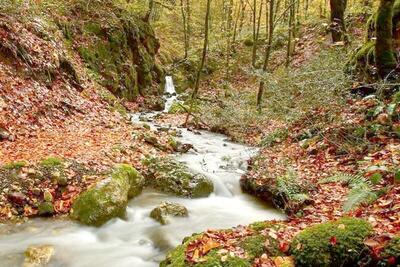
(345, 179)
(361, 192)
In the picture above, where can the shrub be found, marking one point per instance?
(391, 253)
(335, 243)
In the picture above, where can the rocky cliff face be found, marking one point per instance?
(61, 58)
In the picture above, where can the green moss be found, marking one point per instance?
(46, 209)
(335, 243)
(15, 165)
(254, 246)
(259, 226)
(174, 177)
(177, 257)
(136, 180)
(213, 259)
(51, 162)
(114, 103)
(109, 198)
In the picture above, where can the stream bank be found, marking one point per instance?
(138, 240)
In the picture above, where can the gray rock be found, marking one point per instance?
(166, 210)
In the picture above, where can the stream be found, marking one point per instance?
(139, 241)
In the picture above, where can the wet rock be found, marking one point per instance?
(150, 139)
(174, 177)
(184, 148)
(275, 190)
(109, 198)
(36, 256)
(17, 198)
(166, 210)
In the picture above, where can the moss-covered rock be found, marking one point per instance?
(167, 209)
(109, 198)
(335, 243)
(287, 192)
(174, 177)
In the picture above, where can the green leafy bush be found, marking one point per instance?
(335, 243)
(391, 253)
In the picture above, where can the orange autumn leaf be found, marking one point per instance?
(211, 244)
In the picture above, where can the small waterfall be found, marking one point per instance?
(169, 85)
(170, 93)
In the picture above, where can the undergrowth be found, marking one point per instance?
(290, 95)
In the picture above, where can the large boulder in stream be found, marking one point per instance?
(170, 176)
(165, 210)
(109, 198)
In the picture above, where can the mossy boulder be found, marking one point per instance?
(173, 177)
(286, 192)
(167, 209)
(253, 246)
(109, 198)
(335, 243)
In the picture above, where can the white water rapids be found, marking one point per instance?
(139, 241)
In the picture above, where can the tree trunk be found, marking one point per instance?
(271, 27)
(290, 33)
(185, 32)
(149, 14)
(205, 46)
(384, 51)
(338, 27)
(254, 54)
(203, 59)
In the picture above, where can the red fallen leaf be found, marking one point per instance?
(392, 260)
(284, 247)
(376, 252)
(333, 241)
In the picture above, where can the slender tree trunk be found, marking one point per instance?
(255, 45)
(188, 22)
(290, 33)
(384, 51)
(254, 17)
(228, 38)
(150, 11)
(203, 59)
(237, 22)
(271, 27)
(185, 32)
(338, 26)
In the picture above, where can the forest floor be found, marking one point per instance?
(328, 141)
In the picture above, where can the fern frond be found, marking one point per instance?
(345, 178)
(360, 194)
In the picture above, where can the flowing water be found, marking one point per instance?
(139, 241)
